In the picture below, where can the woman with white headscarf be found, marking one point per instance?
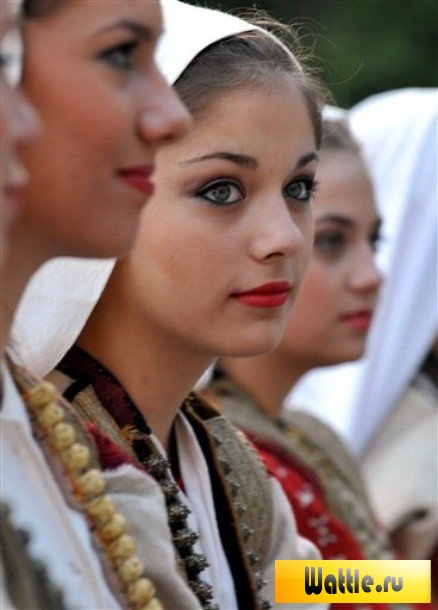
(104, 110)
(221, 250)
(328, 323)
(367, 401)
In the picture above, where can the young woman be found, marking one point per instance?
(221, 251)
(90, 73)
(18, 122)
(327, 325)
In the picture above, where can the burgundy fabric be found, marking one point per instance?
(86, 370)
(110, 454)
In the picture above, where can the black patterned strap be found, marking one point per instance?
(26, 579)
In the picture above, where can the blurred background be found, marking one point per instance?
(361, 46)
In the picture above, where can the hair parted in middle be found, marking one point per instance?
(249, 60)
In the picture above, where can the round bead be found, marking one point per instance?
(41, 395)
(91, 483)
(154, 604)
(76, 457)
(141, 592)
(62, 436)
(131, 570)
(115, 527)
(50, 415)
(101, 509)
(123, 547)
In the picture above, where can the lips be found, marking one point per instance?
(139, 178)
(271, 294)
(14, 194)
(359, 320)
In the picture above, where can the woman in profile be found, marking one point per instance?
(89, 72)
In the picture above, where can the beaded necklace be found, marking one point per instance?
(67, 449)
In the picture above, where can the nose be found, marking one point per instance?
(23, 121)
(28, 122)
(163, 117)
(366, 276)
(278, 234)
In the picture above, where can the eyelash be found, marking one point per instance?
(121, 51)
(376, 240)
(202, 193)
(333, 242)
(310, 185)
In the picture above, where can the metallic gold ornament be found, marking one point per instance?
(41, 395)
(142, 591)
(50, 415)
(76, 457)
(101, 509)
(115, 527)
(131, 570)
(123, 547)
(62, 436)
(91, 483)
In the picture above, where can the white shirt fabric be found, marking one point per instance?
(140, 499)
(59, 536)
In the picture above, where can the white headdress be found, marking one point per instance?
(63, 293)
(397, 132)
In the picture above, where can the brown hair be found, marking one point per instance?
(245, 60)
(336, 135)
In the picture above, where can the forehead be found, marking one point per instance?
(344, 186)
(256, 115)
(89, 16)
(338, 167)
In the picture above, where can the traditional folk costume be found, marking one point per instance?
(406, 451)
(207, 519)
(317, 472)
(57, 548)
(380, 415)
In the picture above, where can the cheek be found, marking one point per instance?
(317, 291)
(81, 113)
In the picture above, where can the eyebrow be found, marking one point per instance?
(306, 159)
(140, 30)
(237, 159)
(244, 160)
(346, 222)
(337, 219)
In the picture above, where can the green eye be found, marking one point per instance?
(221, 193)
(330, 243)
(119, 57)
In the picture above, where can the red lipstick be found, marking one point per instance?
(14, 194)
(271, 294)
(359, 320)
(139, 178)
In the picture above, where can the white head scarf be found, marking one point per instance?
(64, 292)
(398, 134)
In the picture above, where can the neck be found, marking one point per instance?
(25, 254)
(155, 369)
(268, 378)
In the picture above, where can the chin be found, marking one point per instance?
(342, 357)
(105, 245)
(252, 346)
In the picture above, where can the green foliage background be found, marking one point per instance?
(361, 46)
